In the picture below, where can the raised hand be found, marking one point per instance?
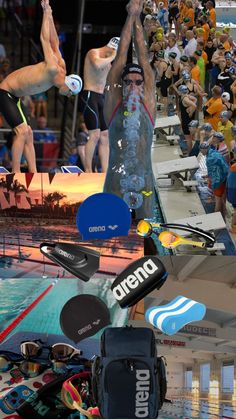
(134, 7)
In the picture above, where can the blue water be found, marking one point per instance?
(190, 409)
(17, 294)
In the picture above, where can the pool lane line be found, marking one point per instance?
(24, 313)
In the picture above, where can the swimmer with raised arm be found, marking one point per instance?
(31, 80)
(130, 109)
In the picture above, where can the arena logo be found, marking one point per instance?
(96, 229)
(65, 254)
(84, 329)
(132, 281)
(142, 393)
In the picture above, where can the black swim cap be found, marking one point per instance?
(132, 68)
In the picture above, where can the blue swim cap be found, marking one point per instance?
(193, 124)
(207, 126)
(182, 89)
(102, 216)
(233, 129)
(205, 145)
(219, 136)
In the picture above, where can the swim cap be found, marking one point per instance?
(148, 17)
(132, 68)
(160, 30)
(233, 129)
(198, 53)
(182, 89)
(225, 95)
(227, 54)
(194, 123)
(207, 126)
(186, 75)
(114, 43)
(74, 82)
(102, 216)
(186, 20)
(172, 55)
(219, 136)
(160, 54)
(226, 29)
(83, 316)
(159, 36)
(224, 114)
(205, 145)
(212, 30)
(184, 58)
(200, 30)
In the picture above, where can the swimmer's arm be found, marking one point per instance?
(45, 41)
(143, 60)
(99, 62)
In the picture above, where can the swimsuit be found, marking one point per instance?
(12, 109)
(129, 173)
(91, 106)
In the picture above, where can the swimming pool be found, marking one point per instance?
(198, 409)
(17, 294)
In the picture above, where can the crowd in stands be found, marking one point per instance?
(195, 63)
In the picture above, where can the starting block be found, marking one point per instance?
(180, 171)
(207, 222)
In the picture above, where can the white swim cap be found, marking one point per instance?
(114, 43)
(225, 95)
(74, 82)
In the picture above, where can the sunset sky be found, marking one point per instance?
(76, 188)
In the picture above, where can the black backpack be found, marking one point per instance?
(125, 377)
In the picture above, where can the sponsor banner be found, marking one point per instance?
(198, 330)
(170, 342)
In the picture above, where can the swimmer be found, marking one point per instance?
(129, 110)
(32, 80)
(96, 67)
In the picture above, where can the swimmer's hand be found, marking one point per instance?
(46, 6)
(134, 7)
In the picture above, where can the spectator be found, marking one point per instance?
(195, 70)
(220, 145)
(211, 13)
(225, 127)
(231, 189)
(217, 170)
(191, 45)
(172, 46)
(213, 108)
(41, 104)
(46, 136)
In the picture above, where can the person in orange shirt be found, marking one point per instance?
(224, 40)
(189, 15)
(213, 108)
(182, 11)
(212, 13)
(195, 70)
(200, 47)
(206, 28)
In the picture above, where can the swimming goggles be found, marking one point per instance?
(59, 355)
(128, 82)
(146, 229)
(76, 394)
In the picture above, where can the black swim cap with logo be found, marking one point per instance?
(133, 69)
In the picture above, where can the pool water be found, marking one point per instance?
(198, 409)
(17, 294)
